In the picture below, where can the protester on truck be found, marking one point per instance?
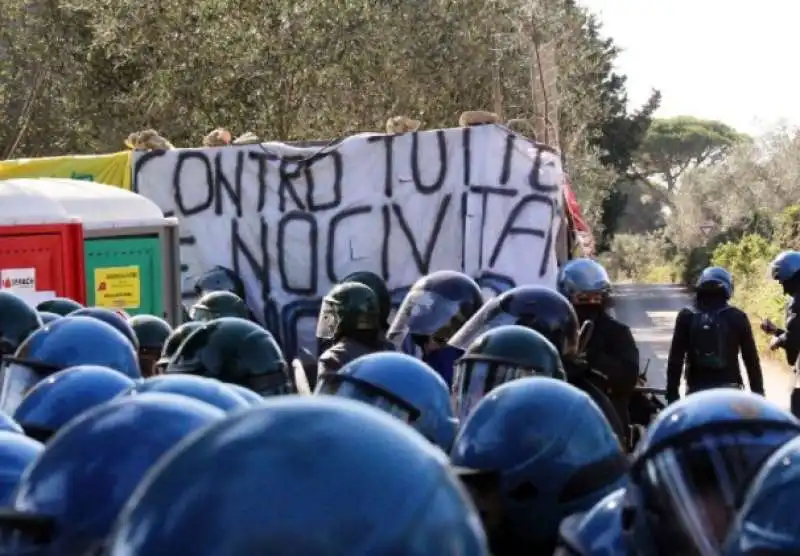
(350, 323)
(610, 349)
(708, 338)
(436, 307)
(785, 269)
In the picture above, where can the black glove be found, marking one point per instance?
(576, 368)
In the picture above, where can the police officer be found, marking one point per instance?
(152, 333)
(709, 337)
(550, 314)
(216, 304)
(235, 351)
(436, 307)
(611, 349)
(785, 269)
(349, 321)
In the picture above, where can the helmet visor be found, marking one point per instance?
(425, 313)
(17, 379)
(474, 378)
(199, 313)
(700, 484)
(354, 389)
(488, 317)
(328, 322)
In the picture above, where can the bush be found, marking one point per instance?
(641, 258)
(755, 293)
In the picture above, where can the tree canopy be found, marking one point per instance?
(77, 76)
(674, 145)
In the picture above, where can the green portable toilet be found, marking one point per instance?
(132, 257)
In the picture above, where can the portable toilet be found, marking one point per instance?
(41, 246)
(130, 249)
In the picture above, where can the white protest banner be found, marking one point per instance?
(294, 221)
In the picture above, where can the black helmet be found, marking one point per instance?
(236, 351)
(585, 282)
(348, 309)
(219, 279)
(498, 356)
(538, 308)
(436, 307)
(378, 286)
(152, 333)
(59, 305)
(174, 341)
(17, 321)
(216, 304)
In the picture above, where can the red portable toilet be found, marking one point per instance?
(128, 250)
(41, 245)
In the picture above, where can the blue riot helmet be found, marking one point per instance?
(694, 464)
(402, 386)
(369, 486)
(433, 310)
(17, 452)
(598, 532)
(89, 469)
(8, 424)
(436, 307)
(767, 521)
(715, 278)
(207, 390)
(48, 317)
(110, 317)
(218, 279)
(534, 452)
(541, 309)
(67, 342)
(61, 397)
(248, 395)
(585, 282)
(785, 269)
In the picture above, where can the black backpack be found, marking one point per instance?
(708, 340)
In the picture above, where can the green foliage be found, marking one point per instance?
(787, 229)
(745, 258)
(672, 146)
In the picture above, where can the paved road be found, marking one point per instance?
(650, 311)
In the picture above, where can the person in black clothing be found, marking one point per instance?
(611, 349)
(785, 268)
(708, 338)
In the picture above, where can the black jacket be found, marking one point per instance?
(789, 338)
(612, 351)
(739, 340)
(346, 350)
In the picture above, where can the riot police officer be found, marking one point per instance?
(349, 320)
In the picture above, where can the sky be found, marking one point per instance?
(728, 60)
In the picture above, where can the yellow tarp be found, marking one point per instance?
(110, 169)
